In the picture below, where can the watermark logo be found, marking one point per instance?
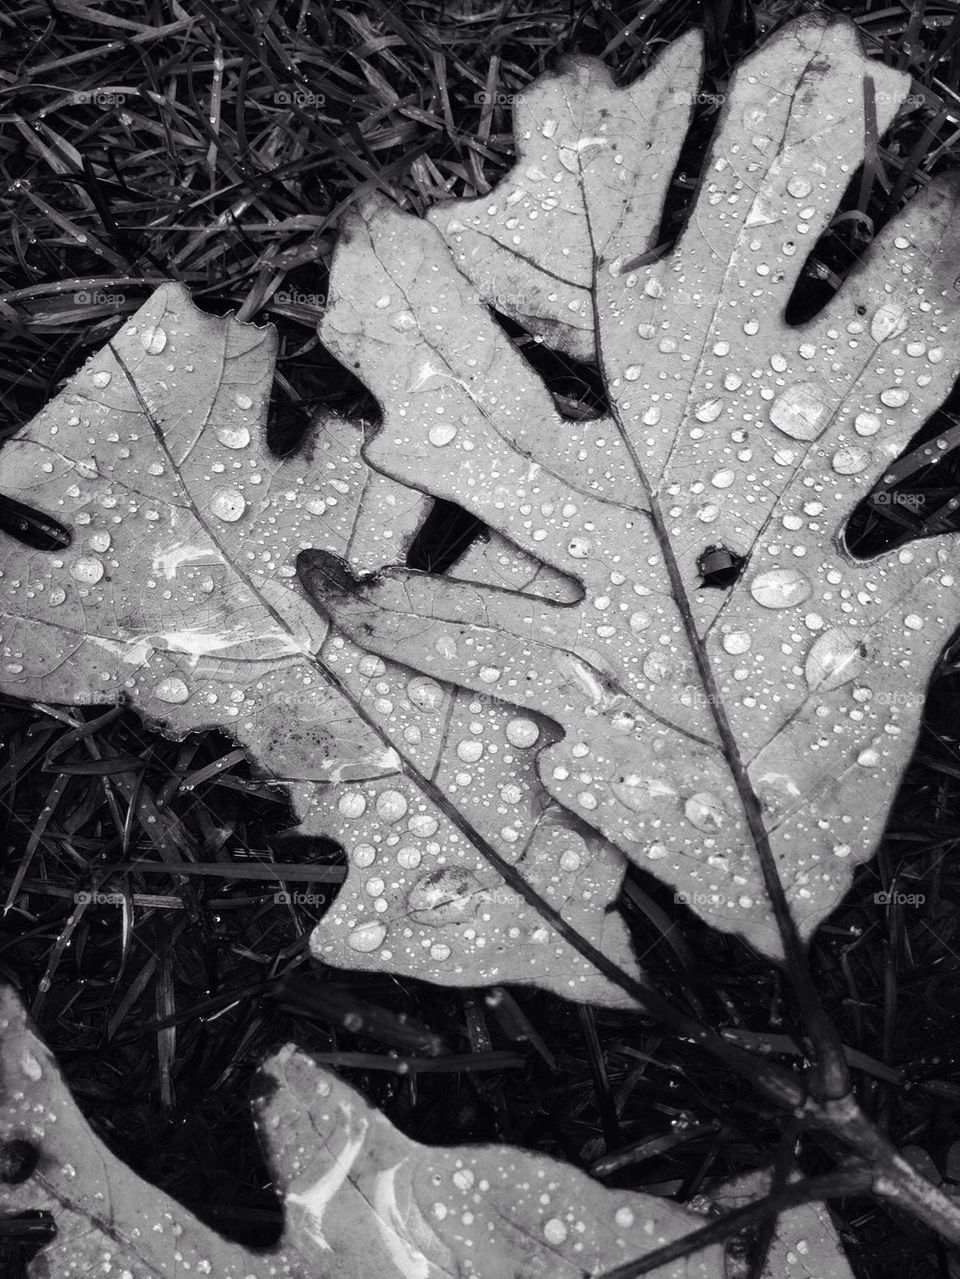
(894, 898)
(893, 497)
(294, 297)
(94, 898)
(300, 899)
(103, 98)
(484, 99)
(298, 98)
(97, 297)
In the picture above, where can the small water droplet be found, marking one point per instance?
(895, 397)
(799, 187)
(102, 379)
(866, 424)
(554, 1231)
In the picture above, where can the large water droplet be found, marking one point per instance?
(87, 570)
(801, 411)
(522, 732)
(851, 460)
(441, 434)
(640, 793)
(173, 690)
(780, 588)
(102, 379)
(833, 659)
(709, 410)
(443, 897)
(705, 811)
(233, 437)
(888, 321)
(426, 694)
(228, 504)
(153, 339)
(736, 642)
(367, 937)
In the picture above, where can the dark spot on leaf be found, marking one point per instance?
(18, 1159)
(719, 567)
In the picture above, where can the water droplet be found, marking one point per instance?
(228, 504)
(888, 321)
(244, 402)
(426, 694)
(850, 461)
(522, 732)
(736, 642)
(868, 758)
(30, 1066)
(913, 622)
(624, 1218)
(639, 621)
(352, 804)
(153, 339)
(99, 541)
(709, 410)
(834, 659)
(800, 411)
(391, 805)
(469, 750)
(441, 434)
(866, 424)
(87, 570)
(799, 187)
(723, 479)
(640, 793)
(56, 595)
(705, 811)
(443, 897)
(367, 937)
(102, 379)
(233, 437)
(895, 397)
(554, 1231)
(780, 588)
(173, 690)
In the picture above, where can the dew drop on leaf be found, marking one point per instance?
(522, 732)
(800, 411)
(442, 434)
(102, 379)
(228, 505)
(736, 642)
(705, 811)
(153, 339)
(233, 437)
(87, 570)
(850, 461)
(834, 659)
(367, 937)
(173, 690)
(780, 588)
(888, 321)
